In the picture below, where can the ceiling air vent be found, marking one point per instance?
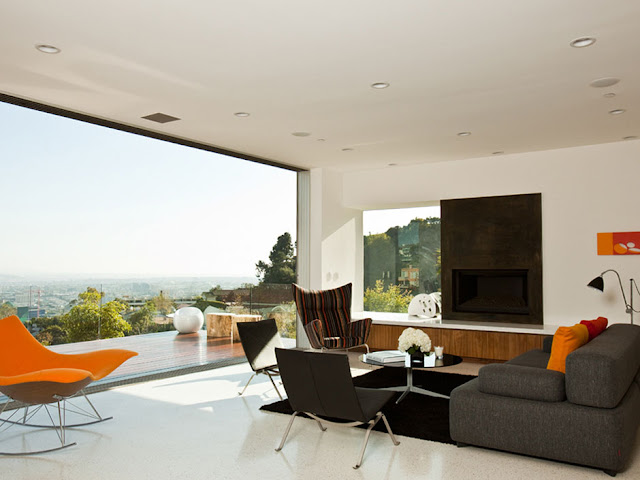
(160, 118)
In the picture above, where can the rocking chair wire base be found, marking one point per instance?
(62, 405)
(37, 452)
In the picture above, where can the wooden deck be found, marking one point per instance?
(161, 354)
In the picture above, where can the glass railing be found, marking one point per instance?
(68, 312)
(268, 300)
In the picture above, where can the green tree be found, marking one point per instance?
(427, 256)
(415, 245)
(87, 317)
(6, 310)
(285, 317)
(52, 335)
(393, 299)
(163, 304)
(282, 262)
(141, 320)
(202, 303)
(380, 252)
(213, 293)
(42, 323)
(51, 330)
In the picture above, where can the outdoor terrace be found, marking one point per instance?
(161, 355)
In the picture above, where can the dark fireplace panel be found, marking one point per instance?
(492, 259)
(490, 291)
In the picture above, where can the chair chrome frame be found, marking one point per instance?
(270, 372)
(372, 423)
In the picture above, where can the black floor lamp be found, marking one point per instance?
(598, 284)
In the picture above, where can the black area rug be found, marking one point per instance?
(418, 416)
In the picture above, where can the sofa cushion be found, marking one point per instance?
(520, 381)
(600, 373)
(532, 358)
(565, 341)
(595, 327)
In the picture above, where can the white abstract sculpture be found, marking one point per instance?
(425, 305)
(188, 320)
(437, 297)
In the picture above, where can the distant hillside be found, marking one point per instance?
(227, 281)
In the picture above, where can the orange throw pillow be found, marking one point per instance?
(565, 341)
(595, 327)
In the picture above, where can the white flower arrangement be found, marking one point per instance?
(413, 340)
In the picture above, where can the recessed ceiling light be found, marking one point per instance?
(464, 134)
(630, 137)
(582, 42)
(609, 95)
(300, 134)
(604, 82)
(160, 118)
(47, 48)
(242, 114)
(497, 153)
(347, 149)
(379, 85)
(617, 111)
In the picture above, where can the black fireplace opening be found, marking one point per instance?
(490, 291)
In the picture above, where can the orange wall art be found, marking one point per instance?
(619, 243)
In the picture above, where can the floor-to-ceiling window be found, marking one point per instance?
(101, 220)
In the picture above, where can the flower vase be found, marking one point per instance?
(417, 359)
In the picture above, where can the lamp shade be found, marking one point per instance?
(597, 283)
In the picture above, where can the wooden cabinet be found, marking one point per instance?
(471, 344)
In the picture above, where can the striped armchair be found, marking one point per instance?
(326, 316)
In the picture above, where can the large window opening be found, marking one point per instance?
(401, 256)
(107, 233)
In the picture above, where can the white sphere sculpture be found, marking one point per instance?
(188, 320)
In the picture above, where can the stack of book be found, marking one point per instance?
(386, 356)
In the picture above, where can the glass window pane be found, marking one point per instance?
(401, 256)
(121, 229)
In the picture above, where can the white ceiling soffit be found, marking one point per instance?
(502, 70)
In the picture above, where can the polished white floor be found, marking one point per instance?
(196, 427)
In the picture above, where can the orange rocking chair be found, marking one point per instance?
(40, 378)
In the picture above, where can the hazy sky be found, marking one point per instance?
(83, 199)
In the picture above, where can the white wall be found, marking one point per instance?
(335, 236)
(585, 190)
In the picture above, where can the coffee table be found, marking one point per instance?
(446, 361)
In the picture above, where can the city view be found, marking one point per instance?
(45, 298)
(82, 309)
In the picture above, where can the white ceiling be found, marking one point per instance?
(501, 69)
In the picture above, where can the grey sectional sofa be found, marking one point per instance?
(588, 416)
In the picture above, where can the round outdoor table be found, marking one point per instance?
(446, 361)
